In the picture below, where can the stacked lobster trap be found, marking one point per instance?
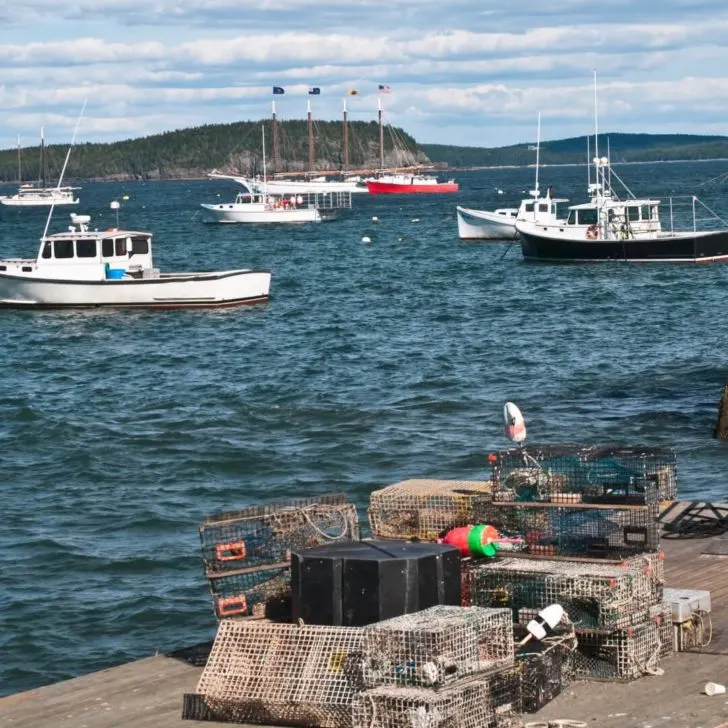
(443, 667)
(246, 553)
(424, 509)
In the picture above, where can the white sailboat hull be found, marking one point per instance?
(253, 213)
(311, 187)
(179, 290)
(483, 225)
(16, 201)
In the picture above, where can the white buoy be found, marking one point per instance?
(375, 219)
(415, 219)
(514, 423)
(366, 239)
(500, 192)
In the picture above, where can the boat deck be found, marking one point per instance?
(149, 693)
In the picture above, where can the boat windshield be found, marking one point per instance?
(586, 216)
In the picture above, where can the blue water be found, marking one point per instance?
(372, 363)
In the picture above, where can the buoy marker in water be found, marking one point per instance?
(415, 219)
(375, 219)
(366, 239)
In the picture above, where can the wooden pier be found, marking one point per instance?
(149, 693)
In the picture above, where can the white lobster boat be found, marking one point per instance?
(114, 268)
(484, 225)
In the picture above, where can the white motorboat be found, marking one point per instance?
(38, 194)
(114, 268)
(254, 206)
(483, 225)
(315, 186)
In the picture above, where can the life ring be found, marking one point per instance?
(592, 232)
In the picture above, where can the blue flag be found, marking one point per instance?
(314, 90)
(278, 90)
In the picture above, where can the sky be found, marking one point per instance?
(465, 72)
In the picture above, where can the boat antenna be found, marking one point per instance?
(588, 163)
(65, 164)
(596, 118)
(20, 169)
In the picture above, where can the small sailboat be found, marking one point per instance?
(39, 194)
(256, 205)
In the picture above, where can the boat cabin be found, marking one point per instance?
(617, 218)
(84, 255)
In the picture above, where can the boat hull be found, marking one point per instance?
(706, 247)
(187, 290)
(245, 213)
(396, 188)
(483, 225)
(294, 187)
(17, 202)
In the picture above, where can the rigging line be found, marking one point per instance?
(65, 163)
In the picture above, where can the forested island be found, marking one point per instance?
(237, 149)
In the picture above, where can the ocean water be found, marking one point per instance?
(120, 431)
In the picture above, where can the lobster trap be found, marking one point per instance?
(586, 530)
(596, 596)
(661, 615)
(282, 674)
(259, 592)
(544, 668)
(624, 654)
(424, 509)
(587, 474)
(482, 702)
(437, 646)
(265, 534)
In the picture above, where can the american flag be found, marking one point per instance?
(384, 89)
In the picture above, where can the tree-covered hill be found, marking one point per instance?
(236, 148)
(622, 148)
(233, 148)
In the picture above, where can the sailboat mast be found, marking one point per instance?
(381, 135)
(346, 139)
(538, 153)
(20, 170)
(41, 174)
(265, 175)
(596, 128)
(310, 139)
(274, 127)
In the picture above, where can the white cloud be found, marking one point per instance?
(175, 62)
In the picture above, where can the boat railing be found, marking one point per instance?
(690, 213)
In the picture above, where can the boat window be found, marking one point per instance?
(572, 218)
(646, 212)
(633, 213)
(85, 248)
(588, 217)
(107, 248)
(529, 207)
(63, 248)
(543, 207)
(46, 250)
(553, 209)
(140, 246)
(120, 246)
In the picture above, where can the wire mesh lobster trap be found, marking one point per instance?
(584, 473)
(265, 534)
(589, 530)
(597, 596)
(482, 702)
(261, 592)
(544, 668)
(437, 646)
(287, 674)
(661, 614)
(424, 509)
(624, 654)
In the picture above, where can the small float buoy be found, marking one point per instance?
(500, 192)
(366, 239)
(375, 219)
(415, 219)
(125, 197)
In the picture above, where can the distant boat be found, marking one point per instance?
(80, 268)
(38, 194)
(409, 184)
(256, 205)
